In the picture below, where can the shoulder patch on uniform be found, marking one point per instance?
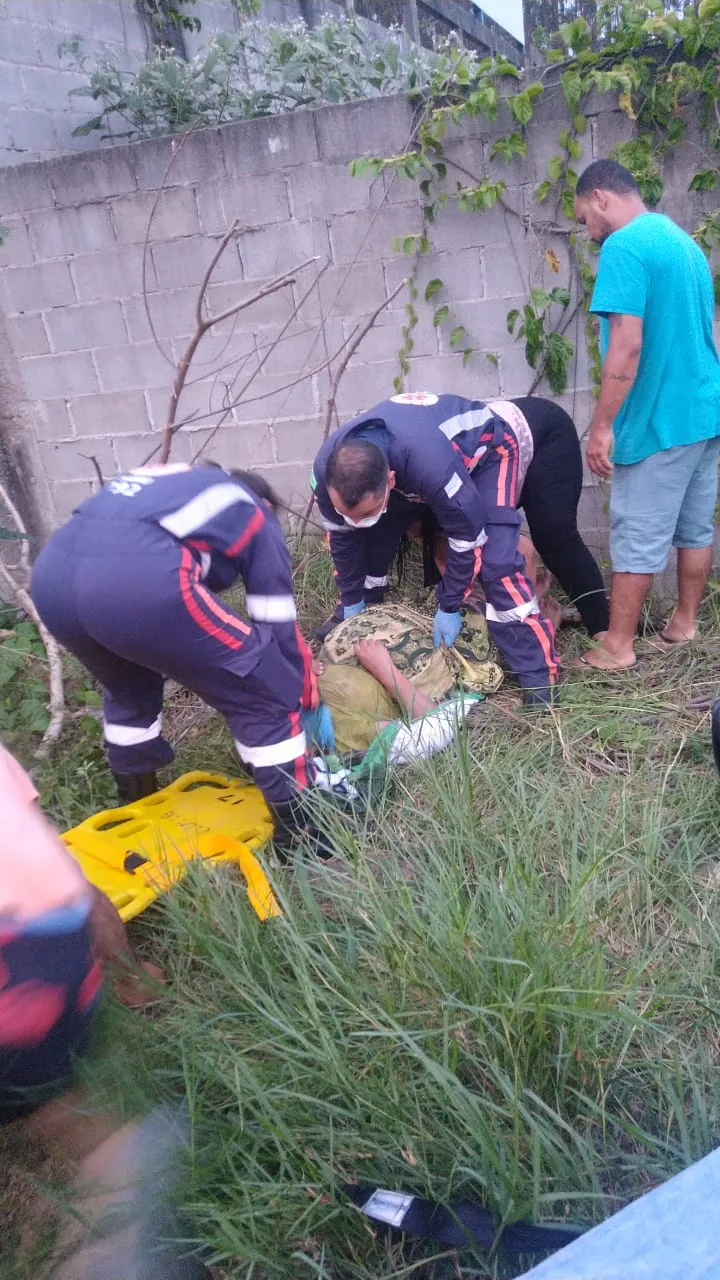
(415, 397)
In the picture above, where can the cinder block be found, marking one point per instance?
(84, 178)
(132, 451)
(180, 263)
(380, 127)
(512, 270)
(344, 291)
(35, 288)
(68, 495)
(275, 308)
(486, 322)
(138, 366)
(607, 130)
(69, 460)
(478, 380)
(271, 251)
(544, 145)
(227, 357)
(202, 402)
(31, 130)
(299, 442)
(211, 213)
(276, 397)
(99, 324)
(111, 414)
(57, 233)
(516, 376)
(239, 446)
(58, 377)
(23, 187)
(362, 386)
(16, 249)
(384, 340)
(51, 86)
(299, 350)
(28, 335)
(12, 88)
(164, 216)
(172, 313)
(461, 273)
(257, 200)
(292, 482)
(114, 274)
(18, 39)
(324, 190)
(52, 421)
(454, 230)
(174, 162)
(371, 235)
(269, 142)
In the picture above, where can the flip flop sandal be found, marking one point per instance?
(609, 671)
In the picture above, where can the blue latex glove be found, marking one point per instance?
(318, 726)
(446, 628)
(349, 610)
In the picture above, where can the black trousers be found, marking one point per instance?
(550, 498)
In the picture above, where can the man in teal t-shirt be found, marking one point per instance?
(658, 412)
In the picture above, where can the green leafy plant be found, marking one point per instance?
(545, 348)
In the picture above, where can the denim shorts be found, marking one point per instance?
(666, 500)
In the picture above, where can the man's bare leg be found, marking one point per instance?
(374, 657)
(693, 567)
(617, 650)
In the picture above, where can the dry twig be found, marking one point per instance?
(23, 599)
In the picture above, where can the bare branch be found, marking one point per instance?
(18, 521)
(24, 601)
(206, 322)
(199, 317)
(90, 457)
(352, 347)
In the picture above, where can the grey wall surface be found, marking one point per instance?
(37, 115)
(100, 274)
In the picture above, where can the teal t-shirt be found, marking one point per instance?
(653, 269)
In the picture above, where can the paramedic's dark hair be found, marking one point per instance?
(606, 175)
(251, 480)
(357, 468)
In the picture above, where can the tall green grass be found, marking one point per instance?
(506, 992)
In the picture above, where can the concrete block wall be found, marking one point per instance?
(99, 280)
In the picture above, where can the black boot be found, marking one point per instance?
(292, 826)
(132, 787)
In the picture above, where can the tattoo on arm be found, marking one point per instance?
(618, 377)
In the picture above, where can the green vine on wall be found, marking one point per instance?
(661, 67)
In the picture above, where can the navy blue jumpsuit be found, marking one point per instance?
(129, 586)
(462, 460)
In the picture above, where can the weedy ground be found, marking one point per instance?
(506, 990)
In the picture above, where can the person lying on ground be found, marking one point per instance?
(360, 704)
(56, 932)
(472, 464)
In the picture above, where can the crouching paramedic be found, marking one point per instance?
(129, 585)
(374, 476)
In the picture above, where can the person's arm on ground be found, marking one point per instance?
(375, 658)
(618, 375)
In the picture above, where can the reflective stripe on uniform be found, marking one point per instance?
(271, 608)
(205, 562)
(453, 484)
(468, 421)
(371, 582)
(457, 544)
(277, 753)
(203, 507)
(126, 735)
(332, 527)
(518, 614)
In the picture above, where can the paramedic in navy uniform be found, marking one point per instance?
(129, 585)
(472, 464)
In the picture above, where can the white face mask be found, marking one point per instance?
(368, 521)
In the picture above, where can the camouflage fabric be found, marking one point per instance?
(408, 635)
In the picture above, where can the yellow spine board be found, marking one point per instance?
(134, 853)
